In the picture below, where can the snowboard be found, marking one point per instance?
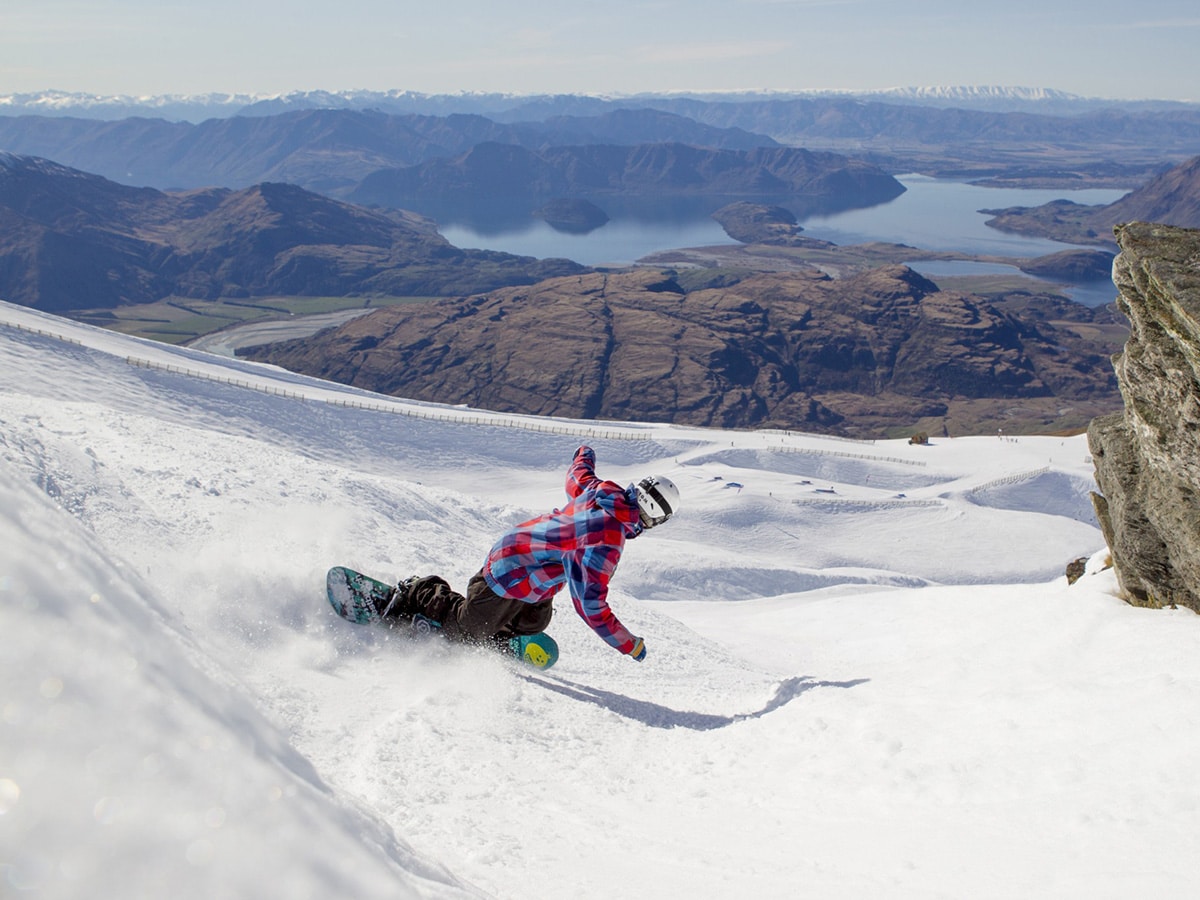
(358, 598)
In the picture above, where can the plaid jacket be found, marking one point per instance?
(579, 544)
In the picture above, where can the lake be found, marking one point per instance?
(932, 214)
(636, 228)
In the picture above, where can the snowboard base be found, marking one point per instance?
(356, 597)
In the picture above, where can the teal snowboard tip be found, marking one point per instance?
(538, 650)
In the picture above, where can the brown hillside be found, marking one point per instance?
(796, 350)
(1172, 198)
(70, 240)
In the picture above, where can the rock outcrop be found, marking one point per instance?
(760, 223)
(1148, 457)
(1071, 265)
(572, 216)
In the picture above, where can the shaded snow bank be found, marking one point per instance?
(133, 766)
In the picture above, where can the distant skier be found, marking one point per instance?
(579, 545)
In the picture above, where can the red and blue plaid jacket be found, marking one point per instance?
(579, 544)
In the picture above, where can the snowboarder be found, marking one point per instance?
(579, 545)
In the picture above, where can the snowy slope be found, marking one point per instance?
(866, 675)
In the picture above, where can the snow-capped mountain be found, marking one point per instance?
(197, 107)
(866, 677)
(981, 93)
(993, 98)
(190, 107)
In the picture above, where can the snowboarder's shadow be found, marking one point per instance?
(658, 716)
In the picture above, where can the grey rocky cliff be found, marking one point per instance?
(1148, 456)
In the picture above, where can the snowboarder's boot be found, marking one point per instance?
(399, 604)
(421, 602)
(403, 606)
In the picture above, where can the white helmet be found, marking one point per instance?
(657, 498)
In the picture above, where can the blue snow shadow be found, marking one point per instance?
(658, 716)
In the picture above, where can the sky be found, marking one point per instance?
(1098, 48)
(866, 674)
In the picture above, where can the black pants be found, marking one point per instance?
(482, 615)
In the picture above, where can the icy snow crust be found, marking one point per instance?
(866, 674)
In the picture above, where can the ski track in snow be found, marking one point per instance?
(866, 675)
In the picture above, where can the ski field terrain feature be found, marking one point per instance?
(866, 674)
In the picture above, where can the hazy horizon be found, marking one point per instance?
(908, 92)
(1102, 49)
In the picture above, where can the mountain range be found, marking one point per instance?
(198, 107)
(333, 149)
(71, 240)
(327, 150)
